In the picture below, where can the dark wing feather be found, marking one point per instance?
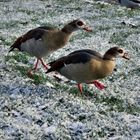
(47, 28)
(73, 58)
(16, 44)
(92, 52)
(57, 64)
(119, 1)
(136, 1)
(36, 33)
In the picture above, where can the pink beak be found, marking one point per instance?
(86, 28)
(126, 56)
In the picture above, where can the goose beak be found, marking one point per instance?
(86, 28)
(126, 56)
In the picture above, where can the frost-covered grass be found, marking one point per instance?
(42, 107)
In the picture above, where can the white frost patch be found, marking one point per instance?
(29, 110)
(49, 85)
(3, 66)
(77, 126)
(48, 129)
(132, 122)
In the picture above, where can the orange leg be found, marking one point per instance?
(36, 65)
(34, 69)
(80, 88)
(99, 85)
(43, 63)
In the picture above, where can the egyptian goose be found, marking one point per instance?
(42, 41)
(86, 66)
(130, 3)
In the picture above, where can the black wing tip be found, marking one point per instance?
(50, 64)
(47, 71)
(11, 49)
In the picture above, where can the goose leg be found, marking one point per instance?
(43, 63)
(80, 88)
(34, 69)
(97, 84)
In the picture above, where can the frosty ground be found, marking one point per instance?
(43, 108)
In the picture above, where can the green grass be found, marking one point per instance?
(20, 57)
(5, 41)
(64, 2)
(37, 77)
(120, 37)
(116, 104)
(113, 11)
(102, 6)
(28, 12)
(22, 69)
(62, 87)
(74, 90)
(11, 24)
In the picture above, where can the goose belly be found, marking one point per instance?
(35, 48)
(77, 72)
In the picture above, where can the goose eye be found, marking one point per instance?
(120, 51)
(80, 23)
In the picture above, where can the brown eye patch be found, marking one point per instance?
(120, 51)
(80, 23)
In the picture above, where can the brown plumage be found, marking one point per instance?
(42, 41)
(86, 66)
